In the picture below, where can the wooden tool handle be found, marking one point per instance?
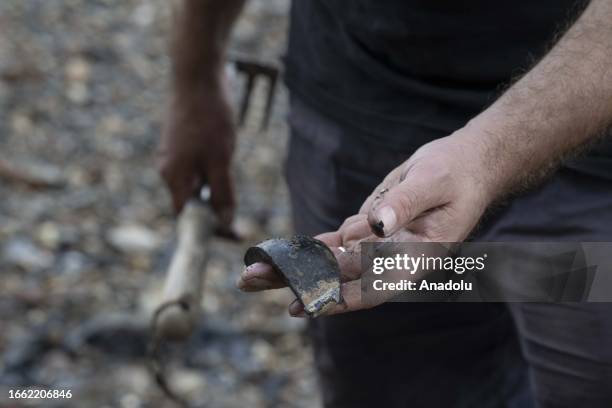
(176, 318)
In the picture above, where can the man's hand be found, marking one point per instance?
(196, 148)
(437, 195)
(354, 230)
(440, 193)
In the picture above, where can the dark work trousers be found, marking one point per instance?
(452, 354)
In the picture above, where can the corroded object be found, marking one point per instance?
(308, 266)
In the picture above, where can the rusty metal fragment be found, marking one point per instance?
(308, 266)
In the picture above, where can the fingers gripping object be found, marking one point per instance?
(308, 266)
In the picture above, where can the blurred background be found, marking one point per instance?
(86, 229)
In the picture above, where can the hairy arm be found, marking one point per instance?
(561, 104)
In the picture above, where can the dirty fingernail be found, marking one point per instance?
(253, 271)
(296, 309)
(386, 221)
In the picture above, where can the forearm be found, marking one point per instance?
(561, 104)
(200, 34)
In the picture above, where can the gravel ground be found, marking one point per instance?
(86, 237)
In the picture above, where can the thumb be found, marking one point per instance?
(402, 203)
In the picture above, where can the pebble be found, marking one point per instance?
(72, 263)
(77, 70)
(188, 381)
(133, 238)
(21, 123)
(23, 253)
(48, 235)
(77, 93)
(135, 377)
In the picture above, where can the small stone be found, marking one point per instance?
(188, 382)
(141, 261)
(21, 123)
(72, 263)
(78, 70)
(77, 93)
(25, 254)
(262, 352)
(135, 378)
(53, 367)
(44, 173)
(113, 124)
(48, 235)
(133, 238)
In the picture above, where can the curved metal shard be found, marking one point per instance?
(308, 266)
